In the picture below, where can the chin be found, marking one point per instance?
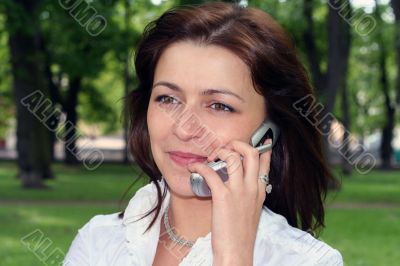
(180, 184)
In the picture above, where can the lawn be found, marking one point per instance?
(106, 183)
(363, 219)
(375, 188)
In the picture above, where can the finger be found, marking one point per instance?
(265, 161)
(234, 167)
(251, 160)
(213, 180)
(213, 155)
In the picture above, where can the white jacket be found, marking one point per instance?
(107, 240)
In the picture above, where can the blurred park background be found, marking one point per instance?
(66, 65)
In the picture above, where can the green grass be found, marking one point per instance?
(364, 234)
(106, 183)
(377, 187)
(58, 225)
(365, 237)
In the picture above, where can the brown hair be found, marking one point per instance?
(299, 172)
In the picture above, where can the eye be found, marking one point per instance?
(165, 99)
(223, 107)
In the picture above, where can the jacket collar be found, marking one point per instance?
(142, 246)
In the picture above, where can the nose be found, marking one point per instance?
(188, 125)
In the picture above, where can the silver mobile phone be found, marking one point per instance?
(266, 130)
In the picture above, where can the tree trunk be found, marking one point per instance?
(387, 131)
(70, 148)
(125, 159)
(346, 166)
(396, 11)
(312, 53)
(327, 84)
(127, 81)
(32, 136)
(54, 93)
(339, 38)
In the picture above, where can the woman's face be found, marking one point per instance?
(202, 98)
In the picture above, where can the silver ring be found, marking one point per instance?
(265, 179)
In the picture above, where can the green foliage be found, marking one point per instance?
(100, 102)
(73, 49)
(365, 94)
(7, 110)
(100, 60)
(290, 15)
(365, 91)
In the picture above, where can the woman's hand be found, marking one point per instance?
(237, 203)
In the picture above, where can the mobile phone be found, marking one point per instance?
(266, 130)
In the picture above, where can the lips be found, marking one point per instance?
(183, 159)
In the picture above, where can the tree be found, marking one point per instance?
(7, 110)
(75, 52)
(387, 132)
(328, 83)
(396, 10)
(32, 136)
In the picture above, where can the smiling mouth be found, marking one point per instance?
(184, 161)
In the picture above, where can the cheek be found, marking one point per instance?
(230, 131)
(158, 122)
(218, 135)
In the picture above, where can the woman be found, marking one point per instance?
(209, 75)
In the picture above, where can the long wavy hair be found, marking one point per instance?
(299, 172)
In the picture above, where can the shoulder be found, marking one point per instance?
(109, 227)
(103, 239)
(102, 221)
(287, 245)
(100, 234)
(101, 228)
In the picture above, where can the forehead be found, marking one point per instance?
(195, 67)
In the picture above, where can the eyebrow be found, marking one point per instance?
(209, 91)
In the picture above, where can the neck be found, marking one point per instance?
(190, 218)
